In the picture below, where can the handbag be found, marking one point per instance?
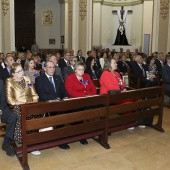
(113, 91)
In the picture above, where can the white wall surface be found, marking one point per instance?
(108, 23)
(44, 33)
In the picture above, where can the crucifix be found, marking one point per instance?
(121, 36)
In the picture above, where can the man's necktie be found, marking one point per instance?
(51, 81)
(142, 70)
(68, 63)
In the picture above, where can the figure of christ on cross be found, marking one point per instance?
(121, 35)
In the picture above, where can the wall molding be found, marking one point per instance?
(82, 9)
(164, 8)
(5, 6)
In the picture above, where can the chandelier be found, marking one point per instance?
(5, 6)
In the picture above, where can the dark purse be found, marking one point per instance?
(113, 91)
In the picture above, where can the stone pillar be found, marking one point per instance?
(64, 22)
(89, 25)
(160, 26)
(1, 28)
(75, 26)
(8, 28)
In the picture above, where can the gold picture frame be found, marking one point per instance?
(47, 17)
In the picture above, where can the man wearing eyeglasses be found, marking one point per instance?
(50, 87)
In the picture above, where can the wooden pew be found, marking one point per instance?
(147, 102)
(100, 120)
(94, 124)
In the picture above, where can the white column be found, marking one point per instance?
(168, 41)
(1, 27)
(155, 32)
(12, 25)
(75, 25)
(89, 25)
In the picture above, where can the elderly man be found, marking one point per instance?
(10, 119)
(139, 70)
(50, 87)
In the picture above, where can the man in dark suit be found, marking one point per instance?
(50, 87)
(10, 119)
(65, 61)
(159, 62)
(138, 70)
(5, 72)
(70, 69)
(80, 57)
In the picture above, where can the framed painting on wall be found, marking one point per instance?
(47, 17)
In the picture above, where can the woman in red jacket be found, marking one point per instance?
(111, 79)
(79, 83)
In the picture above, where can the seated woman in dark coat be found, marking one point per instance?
(93, 71)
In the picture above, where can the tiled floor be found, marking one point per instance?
(141, 149)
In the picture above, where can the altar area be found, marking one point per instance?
(117, 47)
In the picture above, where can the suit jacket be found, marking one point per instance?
(3, 103)
(15, 92)
(62, 64)
(67, 71)
(165, 74)
(4, 74)
(122, 66)
(46, 90)
(109, 82)
(75, 88)
(158, 65)
(137, 71)
(83, 58)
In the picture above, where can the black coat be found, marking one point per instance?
(46, 90)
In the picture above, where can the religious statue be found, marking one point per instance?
(121, 34)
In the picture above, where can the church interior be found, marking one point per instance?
(64, 25)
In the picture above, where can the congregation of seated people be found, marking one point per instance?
(26, 77)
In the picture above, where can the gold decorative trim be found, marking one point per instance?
(82, 9)
(164, 8)
(5, 6)
(70, 9)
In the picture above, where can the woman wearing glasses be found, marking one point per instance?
(79, 83)
(19, 90)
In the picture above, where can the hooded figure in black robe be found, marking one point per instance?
(121, 36)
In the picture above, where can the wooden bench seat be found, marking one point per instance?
(99, 117)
